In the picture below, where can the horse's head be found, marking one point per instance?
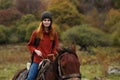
(68, 65)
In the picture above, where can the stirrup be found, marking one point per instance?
(28, 65)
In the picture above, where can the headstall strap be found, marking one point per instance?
(75, 75)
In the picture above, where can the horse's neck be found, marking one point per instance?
(50, 74)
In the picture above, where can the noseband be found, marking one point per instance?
(63, 77)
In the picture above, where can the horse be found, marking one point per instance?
(66, 66)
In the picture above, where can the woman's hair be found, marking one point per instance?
(40, 31)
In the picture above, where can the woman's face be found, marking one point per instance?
(46, 22)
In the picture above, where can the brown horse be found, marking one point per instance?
(65, 67)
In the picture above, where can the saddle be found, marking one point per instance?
(42, 69)
(43, 66)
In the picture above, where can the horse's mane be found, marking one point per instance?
(60, 52)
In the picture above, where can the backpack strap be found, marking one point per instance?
(36, 43)
(53, 42)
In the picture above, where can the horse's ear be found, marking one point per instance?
(73, 47)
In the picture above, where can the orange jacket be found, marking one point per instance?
(45, 46)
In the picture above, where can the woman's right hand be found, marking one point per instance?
(39, 53)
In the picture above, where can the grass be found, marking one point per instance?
(91, 71)
(14, 58)
(7, 71)
(97, 64)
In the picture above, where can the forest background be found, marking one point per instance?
(94, 25)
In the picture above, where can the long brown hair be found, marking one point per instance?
(40, 31)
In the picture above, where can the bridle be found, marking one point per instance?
(64, 77)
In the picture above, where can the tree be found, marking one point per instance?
(86, 36)
(7, 16)
(104, 5)
(2, 34)
(113, 18)
(32, 26)
(27, 6)
(116, 4)
(64, 12)
(116, 35)
(4, 4)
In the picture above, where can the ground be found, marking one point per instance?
(14, 57)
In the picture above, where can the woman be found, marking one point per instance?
(45, 47)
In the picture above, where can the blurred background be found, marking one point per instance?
(94, 25)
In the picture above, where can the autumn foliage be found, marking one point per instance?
(101, 14)
(9, 15)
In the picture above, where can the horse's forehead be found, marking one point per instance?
(68, 57)
(70, 61)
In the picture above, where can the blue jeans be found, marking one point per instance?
(33, 71)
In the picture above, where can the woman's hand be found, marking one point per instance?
(52, 56)
(39, 53)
